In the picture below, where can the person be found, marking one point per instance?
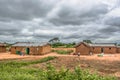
(79, 54)
(23, 52)
(90, 53)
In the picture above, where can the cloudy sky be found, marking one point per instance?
(70, 20)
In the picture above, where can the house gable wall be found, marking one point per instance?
(83, 49)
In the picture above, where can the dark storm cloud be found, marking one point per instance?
(23, 9)
(73, 21)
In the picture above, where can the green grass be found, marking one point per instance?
(62, 51)
(13, 70)
(100, 55)
(25, 63)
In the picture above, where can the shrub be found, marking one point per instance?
(12, 70)
(100, 55)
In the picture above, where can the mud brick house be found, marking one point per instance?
(96, 48)
(31, 48)
(2, 47)
(118, 49)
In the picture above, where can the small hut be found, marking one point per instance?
(30, 48)
(2, 47)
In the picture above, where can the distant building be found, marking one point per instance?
(2, 47)
(96, 48)
(30, 48)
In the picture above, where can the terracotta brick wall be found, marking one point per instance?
(2, 49)
(46, 49)
(96, 49)
(84, 50)
(14, 49)
(33, 50)
(118, 50)
(110, 50)
(105, 49)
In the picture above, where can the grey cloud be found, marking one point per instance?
(110, 29)
(66, 15)
(9, 29)
(113, 21)
(23, 9)
(44, 19)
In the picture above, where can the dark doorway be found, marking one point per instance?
(27, 50)
(102, 50)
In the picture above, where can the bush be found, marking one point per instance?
(100, 55)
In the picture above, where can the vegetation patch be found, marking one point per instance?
(63, 51)
(100, 55)
(16, 63)
(12, 71)
(63, 45)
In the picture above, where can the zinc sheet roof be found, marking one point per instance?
(30, 44)
(103, 44)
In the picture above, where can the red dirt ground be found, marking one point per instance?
(106, 65)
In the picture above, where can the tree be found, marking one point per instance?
(54, 40)
(87, 41)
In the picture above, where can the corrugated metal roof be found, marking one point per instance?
(29, 44)
(103, 44)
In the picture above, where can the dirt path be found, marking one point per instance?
(108, 57)
(6, 56)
